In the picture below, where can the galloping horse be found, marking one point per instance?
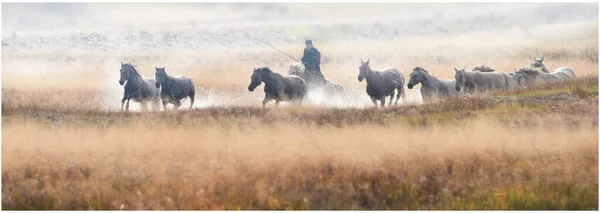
(174, 89)
(137, 88)
(278, 87)
(381, 84)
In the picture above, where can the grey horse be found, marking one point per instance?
(278, 87)
(484, 68)
(430, 85)
(381, 84)
(331, 88)
(521, 78)
(538, 63)
(174, 89)
(481, 81)
(562, 73)
(526, 76)
(137, 88)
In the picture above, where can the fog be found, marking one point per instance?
(81, 41)
(106, 27)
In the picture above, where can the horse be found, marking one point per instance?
(174, 89)
(381, 84)
(430, 85)
(278, 87)
(481, 80)
(484, 68)
(525, 76)
(520, 78)
(331, 88)
(561, 72)
(137, 88)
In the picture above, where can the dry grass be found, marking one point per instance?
(65, 146)
(530, 149)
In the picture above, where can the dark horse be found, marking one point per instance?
(278, 87)
(137, 88)
(381, 84)
(174, 89)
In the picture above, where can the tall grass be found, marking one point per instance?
(481, 152)
(66, 145)
(477, 165)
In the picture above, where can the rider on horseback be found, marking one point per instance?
(312, 61)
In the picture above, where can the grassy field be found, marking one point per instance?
(66, 145)
(533, 148)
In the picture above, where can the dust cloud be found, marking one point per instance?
(81, 45)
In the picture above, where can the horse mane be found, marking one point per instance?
(421, 69)
(265, 69)
(526, 70)
(133, 67)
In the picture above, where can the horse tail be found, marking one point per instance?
(572, 73)
(400, 87)
(401, 93)
(192, 92)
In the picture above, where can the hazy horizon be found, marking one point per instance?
(109, 27)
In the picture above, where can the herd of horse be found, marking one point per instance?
(293, 87)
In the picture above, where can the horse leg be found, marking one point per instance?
(123, 102)
(402, 93)
(146, 106)
(156, 101)
(391, 99)
(164, 105)
(383, 102)
(277, 103)
(177, 104)
(192, 96)
(264, 102)
(374, 101)
(127, 105)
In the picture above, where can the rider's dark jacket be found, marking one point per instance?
(312, 61)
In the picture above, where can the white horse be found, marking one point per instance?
(331, 89)
(526, 76)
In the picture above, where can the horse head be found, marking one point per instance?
(460, 77)
(255, 79)
(363, 69)
(160, 76)
(296, 69)
(416, 76)
(538, 63)
(125, 72)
